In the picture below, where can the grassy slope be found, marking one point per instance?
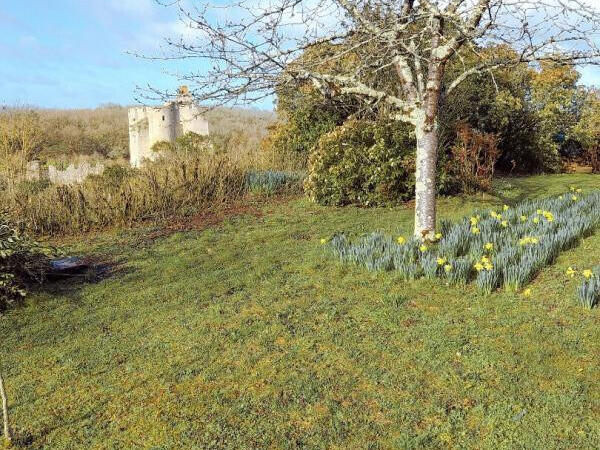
(249, 335)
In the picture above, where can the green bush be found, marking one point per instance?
(366, 163)
(22, 263)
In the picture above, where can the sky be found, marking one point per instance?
(76, 53)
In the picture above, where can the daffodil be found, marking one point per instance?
(587, 273)
(494, 214)
(534, 240)
(488, 246)
(536, 220)
(447, 268)
(523, 218)
(527, 292)
(504, 223)
(475, 230)
(505, 208)
(560, 197)
(574, 198)
(578, 190)
(488, 266)
(474, 221)
(423, 248)
(401, 240)
(572, 188)
(478, 267)
(571, 272)
(438, 236)
(323, 241)
(441, 261)
(538, 212)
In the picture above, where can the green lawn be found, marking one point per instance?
(250, 335)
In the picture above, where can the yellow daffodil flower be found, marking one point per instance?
(536, 220)
(475, 230)
(504, 223)
(447, 268)
(438, 236)
(527, 292)
(488, 246)
(441, 261)
(474, 220)
(423, 248)
(478, 267)
(587, 273)
(578, 190)
(574, 198)
(505, 208)
(571, 272)
(523, 218)
(323, 241)
(401, 240)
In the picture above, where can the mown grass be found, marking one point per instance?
(252, 335)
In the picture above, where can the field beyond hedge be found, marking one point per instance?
(251, 335)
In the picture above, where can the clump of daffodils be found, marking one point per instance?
(483, 264)
(528, 240)
(546, 214)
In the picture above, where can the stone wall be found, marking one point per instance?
(73, 173)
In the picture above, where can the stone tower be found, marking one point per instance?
(149, 125)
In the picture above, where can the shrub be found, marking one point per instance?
(22, 262)
(474, 157)
(364, 163)
(176, 186)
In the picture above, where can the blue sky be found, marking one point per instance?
(73, 53)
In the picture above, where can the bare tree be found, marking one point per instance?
(254, 45)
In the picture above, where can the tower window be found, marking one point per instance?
(163, 118)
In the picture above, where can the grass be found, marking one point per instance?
(251, 335)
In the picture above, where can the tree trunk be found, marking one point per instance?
(7, 436)
(425, 189)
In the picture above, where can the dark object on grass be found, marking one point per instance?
(78, 267)
(73, 265)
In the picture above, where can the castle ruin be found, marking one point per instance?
(149, 125)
